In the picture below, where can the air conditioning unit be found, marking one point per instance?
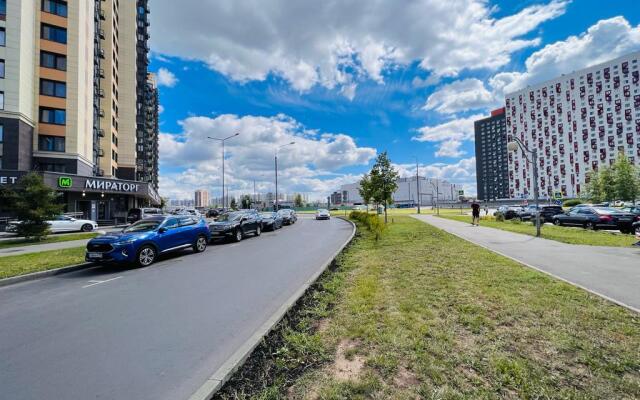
(101, 33)
(101, 73)
(101, 92)
(100, 172)
(100, 152)
(101, 113)
(101, 52)
(100, 132)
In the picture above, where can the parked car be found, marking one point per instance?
(547, 212)
(288, 215)
(636, 229)
(235, 225)
(631, 209)
(323, 213)
(136, 214)
(596, 218)
(144, 240)
(508, 212)
(271, 221)
(62, 223)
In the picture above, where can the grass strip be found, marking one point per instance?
(423, 314)
(562, 234)
(50, 239)
(41, 261)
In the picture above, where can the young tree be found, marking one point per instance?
(297, 201)
(384, 180)
(625, 179)
(606, 183)
(245, 201)
(34, 204)
(593, 189)
(366, 190)
(233, 204)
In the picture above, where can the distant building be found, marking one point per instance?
(202, 198)
(431, 191)
(492, 173)
(336, 198)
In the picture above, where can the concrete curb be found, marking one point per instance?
(604, 296)
(43, 274)
(222, 375)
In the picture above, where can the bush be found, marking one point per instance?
(571, 203)
(500, 217)
(372, 221)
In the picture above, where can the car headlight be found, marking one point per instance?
(124, 242)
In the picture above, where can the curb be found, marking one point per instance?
(43, 274)
(604, 296)
(229, 367)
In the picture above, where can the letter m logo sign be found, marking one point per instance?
(65, 182)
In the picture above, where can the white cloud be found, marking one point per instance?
(449, 135)
(312, 165)
(463, 95)
(334, 43)
(166, 78)
(605, 40)
(160, 108)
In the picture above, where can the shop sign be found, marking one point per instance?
(96, 184)
(65, 182)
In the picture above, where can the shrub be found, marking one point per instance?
(571, 202)
(500, 217)
(372, 221)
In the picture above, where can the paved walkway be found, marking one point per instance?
(36, 248)
(610, 272)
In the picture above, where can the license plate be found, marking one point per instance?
(624, 219)
(94, 255)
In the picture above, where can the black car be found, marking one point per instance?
(288, 215)
(636, 228)
(546, 213)
(508, 212)
(235, 225)
(596, 218)
(271, 221)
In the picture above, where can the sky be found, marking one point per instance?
(348, 79)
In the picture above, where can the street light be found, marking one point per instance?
(276, 158)
(513, 146)
(224, 203)
(418, 185)
(437, 195)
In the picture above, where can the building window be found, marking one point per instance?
(53, 167)
(53, 88)
(53, 33)
(1, 100)
(50, 143)
(57, 7)
(1, 68)
(3, 37)
(3, 9)
(53, 60)
(53, 116)
(1, 133)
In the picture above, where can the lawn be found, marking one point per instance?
(41, 261)
(423, 314)
(50, 239)
(559, 233)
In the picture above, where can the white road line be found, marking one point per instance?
(94, 282)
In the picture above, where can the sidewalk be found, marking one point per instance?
(36, 248)
(610, 272)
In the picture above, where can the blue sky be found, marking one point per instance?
(345, 89)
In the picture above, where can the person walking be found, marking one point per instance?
(475, 213)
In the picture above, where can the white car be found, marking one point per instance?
(323, 214)
(63, 223)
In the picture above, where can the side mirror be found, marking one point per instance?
(162, 230)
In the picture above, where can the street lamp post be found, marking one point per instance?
(224, 203)
(513, 146)
(276, 161)
(437, 195)
(418, 185)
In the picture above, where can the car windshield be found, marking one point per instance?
(267, 215)
(143, 226)
(230, 217)
(322, 211)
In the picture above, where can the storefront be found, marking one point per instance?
(98, 199)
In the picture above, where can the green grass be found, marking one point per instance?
(41, 261)
(435, 317)
(50, 239)
(559, 233)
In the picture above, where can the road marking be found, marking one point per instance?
(95, 282)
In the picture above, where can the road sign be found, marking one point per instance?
(557, 195)
(461, 192)
(558, 202)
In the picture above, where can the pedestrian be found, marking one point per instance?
(486, 210)
(475, 213)
(637, 237)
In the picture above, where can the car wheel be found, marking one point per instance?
(146, 256)
(86, 228)
(626, 231)
(258, 230)
(200, 245)
(237, 236)
(557, 222)
(590, 225)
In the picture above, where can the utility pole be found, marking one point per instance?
(418, 185)
(223, 140)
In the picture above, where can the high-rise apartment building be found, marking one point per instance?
(491, 156)
(578, 122)
(202, 198)
(73, 88)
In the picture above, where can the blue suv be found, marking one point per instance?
(143, 241)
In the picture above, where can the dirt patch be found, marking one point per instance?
(348, 364)
(405, 378)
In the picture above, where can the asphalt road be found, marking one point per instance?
(157, 332)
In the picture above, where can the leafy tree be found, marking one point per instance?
(245, 201)
(366, 190)
(233, 204)
(384, 180)
(625, 179)
(606, 182)
(593, 188)
(34, 204)
(297, 200)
